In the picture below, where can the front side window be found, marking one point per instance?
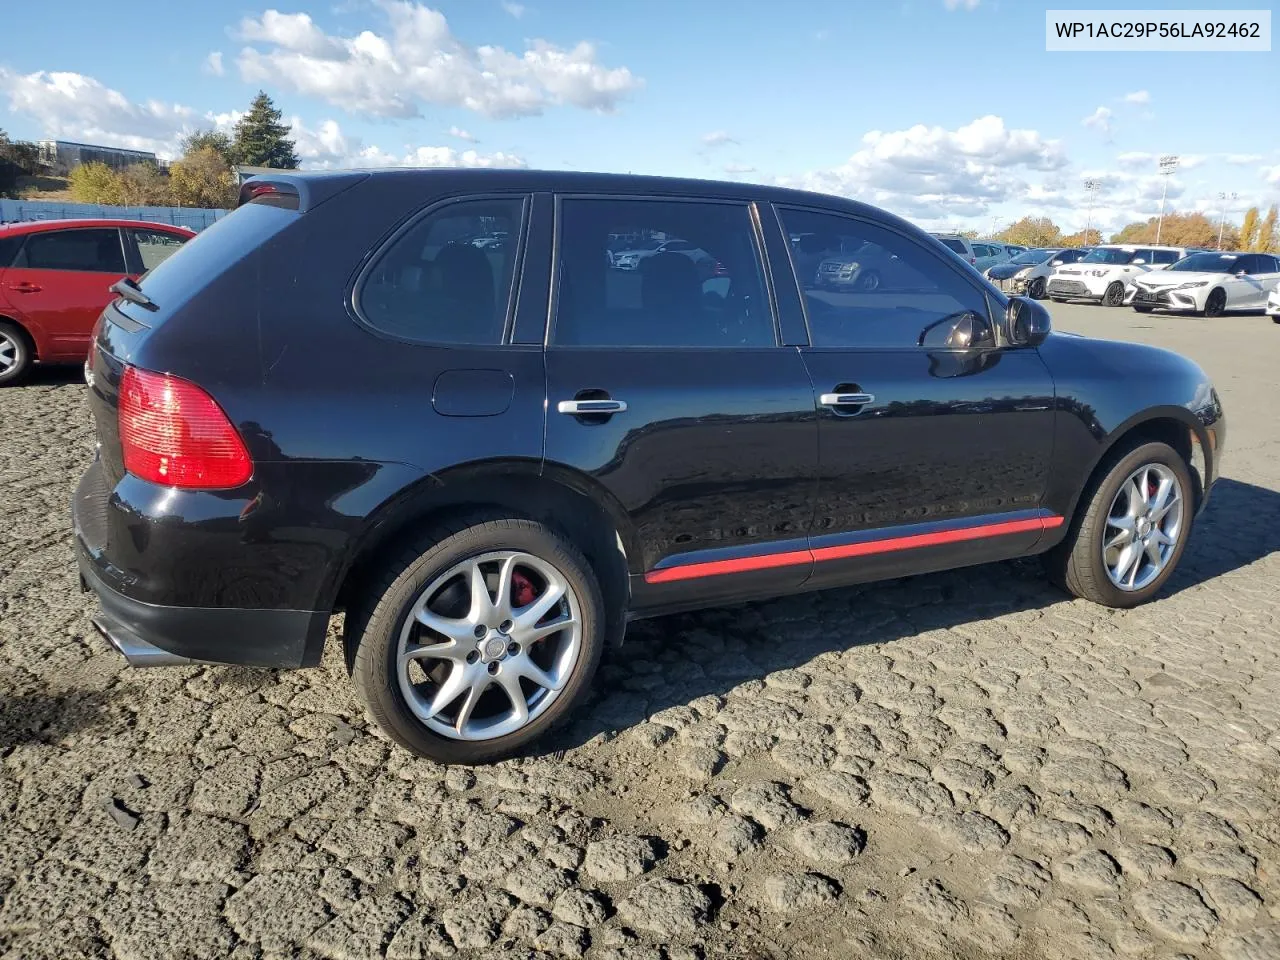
(155, 246)
(894, 292)
(94, 251)
(446, 279)
(660, 273)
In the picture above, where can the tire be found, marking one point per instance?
(1036, 290)
(869, 281)
(1142, 308)
(1077, 564)
(1216, 303)
(1114, 296)
(379, 627)
(16, 354)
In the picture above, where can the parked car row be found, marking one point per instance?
(1101, 275)
(1029, 271)
(980, 253)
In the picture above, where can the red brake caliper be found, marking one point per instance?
(522, 592)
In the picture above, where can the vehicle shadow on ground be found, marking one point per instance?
(672, 661)
(46, 717)
(52, 375)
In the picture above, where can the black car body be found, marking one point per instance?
(803, 439)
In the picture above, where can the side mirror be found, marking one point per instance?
(958, 331)
(1056, 263)
(1027, 322)
(1138, 260)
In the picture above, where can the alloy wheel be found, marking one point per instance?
(1143, 527)
(1114, 295)
(1215, 304)
(489, 645)
(8, 352)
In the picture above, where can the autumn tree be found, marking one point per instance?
(1032, 232)
(1177, 230)
(95, 183)
(143, 185)
(1082, 238)
(1249, 229)
(1268, 241)
(202, 179)
(262, 139)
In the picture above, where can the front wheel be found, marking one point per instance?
(1129, 535)
(1114, 296)
(1036, 290)
(478, 639)
(1216, 304)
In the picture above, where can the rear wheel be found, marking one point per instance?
(15, 353)
(478, 639)
(1036, 290)
(1114, 295)
(1128, 537)
(1216, 303)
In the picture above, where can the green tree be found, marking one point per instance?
(143, 185)
(262, 139)
(1031, 232)
(17, 158)
(1249, 229)
(95, 183)
(215, 139)
(202, 179)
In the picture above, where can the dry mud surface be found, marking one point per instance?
(961, 765)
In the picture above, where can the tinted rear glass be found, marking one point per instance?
(955, 245)
(183, 275)
(93, 251)
(9, 247)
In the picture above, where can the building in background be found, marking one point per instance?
(59, 157)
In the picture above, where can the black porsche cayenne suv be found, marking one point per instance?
(495, 415)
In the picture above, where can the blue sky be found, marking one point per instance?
(949, 112)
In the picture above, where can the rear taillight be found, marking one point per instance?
(173, 433)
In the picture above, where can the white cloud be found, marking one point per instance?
(1271, 174)
(1189, 161)
(213, 63)
(463, 135)
(1135, 158)
(514, 9)
(717, 138)
(1243, 159)
(75, 107)
(327, 147)
(1099, 120)
(1138, 96)
(418, 60)
(932, 172)
(961, 4)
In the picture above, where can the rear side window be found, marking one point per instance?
(1165, 256)
(660, 273)
(955, 245)
(448, 277)
(155, 246)
(94, 251)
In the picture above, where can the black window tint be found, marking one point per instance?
(1166, 256)
(155, 246)
(955, 245)
(9, 247)
(447, 278)
(622, 283)
(98, 251)
(892, 292)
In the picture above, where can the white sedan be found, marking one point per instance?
(1104, 274)
(1208, 283)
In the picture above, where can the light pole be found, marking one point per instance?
(1091, 188)
(1222, 221)
(1168, 164)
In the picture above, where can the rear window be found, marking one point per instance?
(955, 245)
(155, 246)
(181, 276)
(9, 247)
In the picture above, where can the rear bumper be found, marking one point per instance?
(149, 634)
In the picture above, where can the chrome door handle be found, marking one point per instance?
(577, 408)
(846, 399)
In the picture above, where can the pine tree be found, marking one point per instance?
(261, 139)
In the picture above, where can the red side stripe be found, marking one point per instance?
(767, 561)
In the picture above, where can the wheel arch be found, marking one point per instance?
(25, 330)
(1175, 426)
(566, 500)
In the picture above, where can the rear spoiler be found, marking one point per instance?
(295, 191)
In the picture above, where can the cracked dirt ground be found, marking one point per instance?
(965, 765)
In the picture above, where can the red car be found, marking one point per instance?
(56, 278)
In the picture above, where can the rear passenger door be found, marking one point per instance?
(935, 436)
(60, 281)
(670, 396)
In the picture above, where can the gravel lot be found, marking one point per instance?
(961, 765)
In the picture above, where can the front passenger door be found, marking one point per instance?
(934, 435)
